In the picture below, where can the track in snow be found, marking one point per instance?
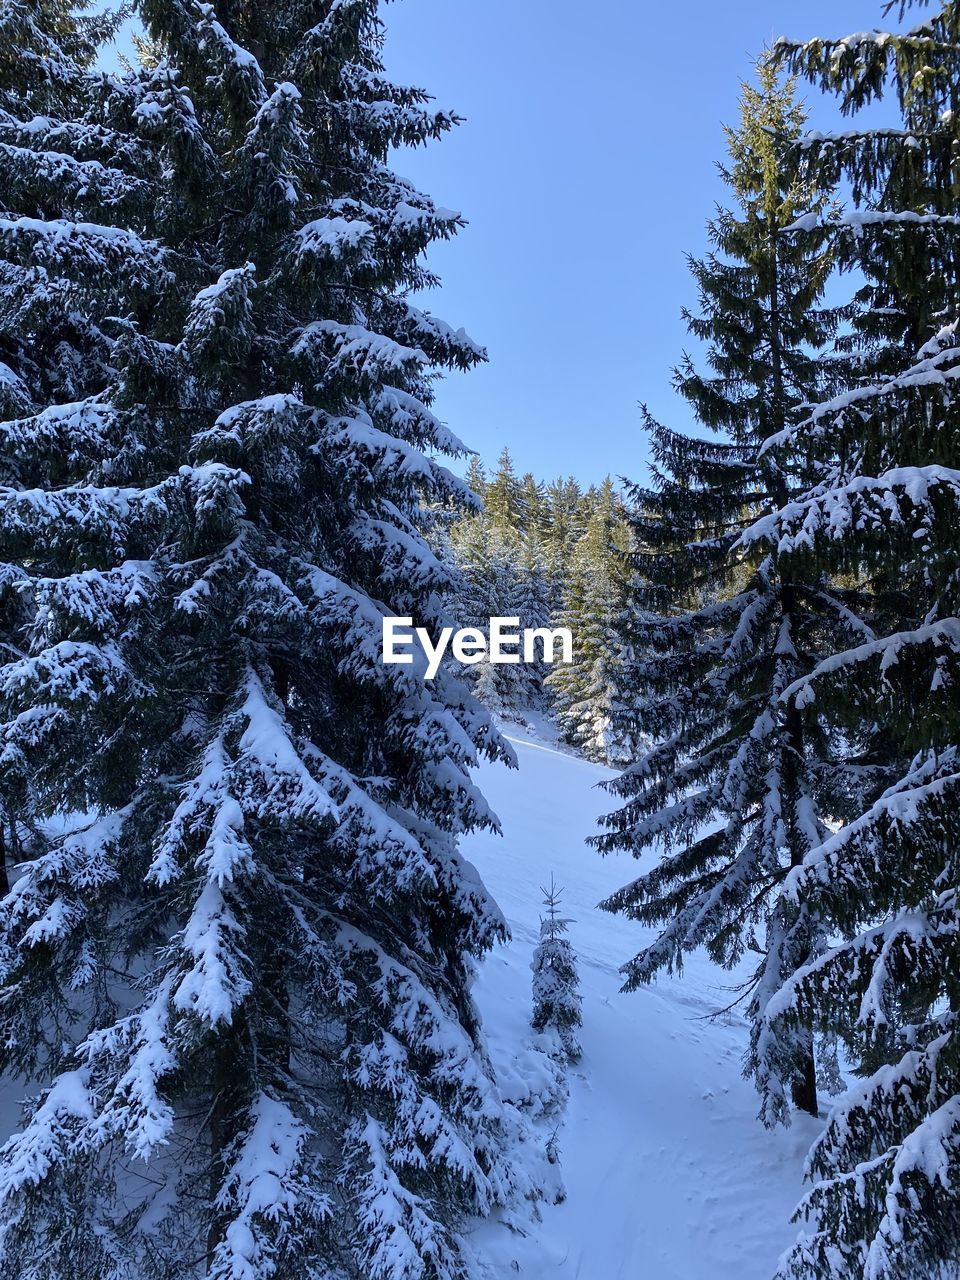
(669, 1175)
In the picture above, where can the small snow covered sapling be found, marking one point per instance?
(556, 995)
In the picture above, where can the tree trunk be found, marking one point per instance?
(222, 1124)
(804, 1086)
(4, 873)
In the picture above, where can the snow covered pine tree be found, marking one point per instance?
(51, 349)
(884, 510)
(556, 998)
(586, 691)
(738, 785)
(502, 571)
(240, 966)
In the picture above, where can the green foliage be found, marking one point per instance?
(732, 782)
(550, 555)
(883, 510)
(239, 969)
(556, 995)
(586, 692)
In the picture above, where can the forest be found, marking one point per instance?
(243, 938)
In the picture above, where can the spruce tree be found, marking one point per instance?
(565, 525)
(586, 691)
(530, 602)
(739, 784)
(240, 970)
(504, 499)
(502, 559)
(476, 477)
(487, 566)
(556, 997)
(533, 502)
(883, 509)
(62, 273)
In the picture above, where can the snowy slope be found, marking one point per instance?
(668, 1173)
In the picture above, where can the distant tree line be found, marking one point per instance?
(550, 554)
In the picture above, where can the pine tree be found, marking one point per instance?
(565, 525)
(585, 691)
(738, 785)
(504, 499)
(533, 503)
(502, 559)
(476, 477)
(482, 591)
(530, 602)
(556, 996)
(486, 562)
(63, 168)
(241, 970)
(882, 508)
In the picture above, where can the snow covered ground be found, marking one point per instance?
(669, 1175)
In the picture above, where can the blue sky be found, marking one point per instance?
(586, 171)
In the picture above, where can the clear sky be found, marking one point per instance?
(586, 170)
